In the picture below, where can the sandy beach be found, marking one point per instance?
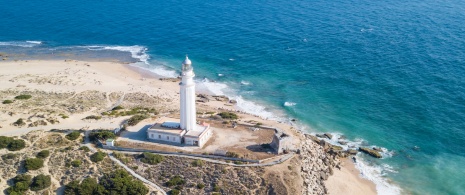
(113, 80)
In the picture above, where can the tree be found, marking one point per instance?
(228, 115)
(97, 157)
(5, 141)
(17, 144)
(73, 135)
(102, 135)
(120, 182)
(43, 154)
(41, 182)
(20, 184)
(33, 163)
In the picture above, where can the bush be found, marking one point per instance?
(238, 162)
(102, 135)
(97, 157)
(5, 141)
(117, 108)
(7, 102)
(216, 188)
(197, 163)
(20, 122)
(150, 158)
(85, 148)
(33, 164)
(174, 192)
(43, 154)
(9, 156)
(20, 184)
(41, 182)
(93, 117)
(228, 115)
(23, 97)
(120, 182)
(17, 144)
(200, 186)
(73, 135)
(76, 163)
(232, 155)
(176, 180)
(134, 120)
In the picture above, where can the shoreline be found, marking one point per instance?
(124, 77)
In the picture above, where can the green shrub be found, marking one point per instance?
(23, 97)
(73, 135)
(20, 122)
(200, 185)
(33, 164)
(5, 141)
(85, 148)
(7, 102)
(17, 144)
(43, 154)
(134, 120)
(64, 116)
(76, 163)
(197, 163)
(117, 108)
(120, 182)
(20, 184)
(150, 158)
(94, 117)
(9, 156)
(101, 135)
(228, 115)
(174, 192)
(97, 157)
(238, 162)
(41, 182)
(176, 180)
(232, 155)
(216, 188)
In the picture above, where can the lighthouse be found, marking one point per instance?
(187, 93)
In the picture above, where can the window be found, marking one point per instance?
(168, 138)
(151, 135)
(174, 138)
(159, 136)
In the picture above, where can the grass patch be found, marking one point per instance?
(174, 181)
(134, 120)
(23, 97)
(92, 117)
(7, 102)
(150, 158)
(228, 115)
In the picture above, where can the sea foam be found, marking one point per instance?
(21, 43)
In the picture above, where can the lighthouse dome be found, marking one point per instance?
(187, 61)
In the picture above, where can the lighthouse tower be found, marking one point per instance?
(187, 92)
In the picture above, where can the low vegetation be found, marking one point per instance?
(20, 184)
(101, 135)
(92, 117)
(197, 163)
(97, 157)
(41, 182)
(7, 102)
(120, 111)
(73, 135)
(150, 158)
(85, 148)
(117, 182)
(11, 144)
(33, 164)
(232, 155)
(20, 122)
(43, 154)
(76, 163)
(175, 181)
(134, 120)
(23, 97)
(228, 115)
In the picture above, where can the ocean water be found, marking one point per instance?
(379, 73)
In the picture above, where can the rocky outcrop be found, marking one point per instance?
(371, 152)
(317, 165)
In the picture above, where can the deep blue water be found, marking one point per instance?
(385, 73)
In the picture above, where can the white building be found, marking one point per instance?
(186, 130)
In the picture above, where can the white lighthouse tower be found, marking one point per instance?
(187, 92)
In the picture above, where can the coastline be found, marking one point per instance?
(71, 76)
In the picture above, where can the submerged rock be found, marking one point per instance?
(370, 152)
(328, 135)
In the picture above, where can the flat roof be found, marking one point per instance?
(197, 132)
(166, 125)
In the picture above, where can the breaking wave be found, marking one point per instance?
(21, 43)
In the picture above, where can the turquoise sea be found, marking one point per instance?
(379, 73)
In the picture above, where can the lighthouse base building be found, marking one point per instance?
(186, 130)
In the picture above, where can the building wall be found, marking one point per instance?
(164, 137)
(201, 140)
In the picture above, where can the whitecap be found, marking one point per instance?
(21, 43)
(220, 75)
(137, 52)
(375, 174)
(288, 104)
(245, 83)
